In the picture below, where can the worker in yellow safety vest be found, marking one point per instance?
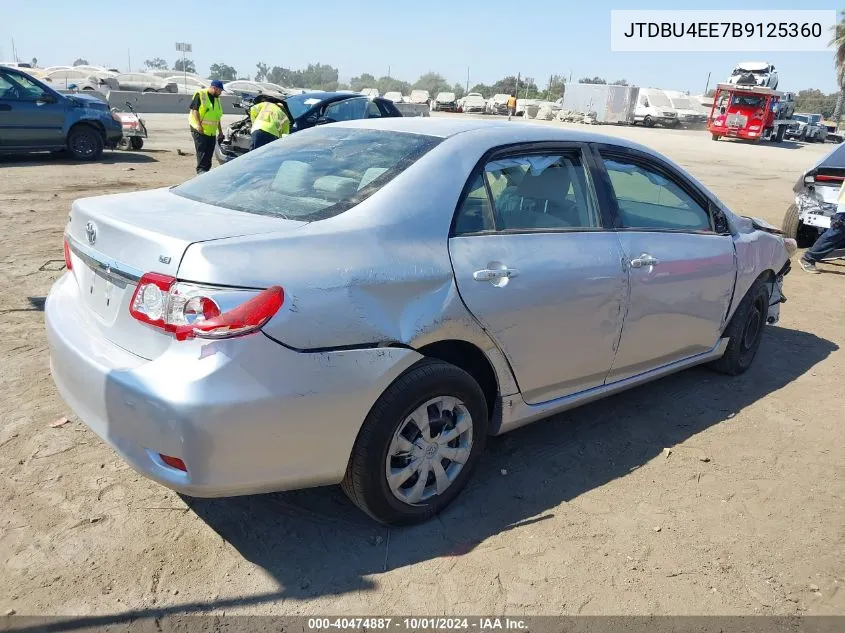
(269, 122)
(204, 117)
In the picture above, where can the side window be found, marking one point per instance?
(475, 213)
(372, 110)
(347, 110)
(649, 200)
(542, 192)
(7, 89)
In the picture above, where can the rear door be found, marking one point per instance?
(680, 259)
(535, 265)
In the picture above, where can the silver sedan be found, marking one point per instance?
(366, 302)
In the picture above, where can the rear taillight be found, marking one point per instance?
(68, 261)
(189, 311)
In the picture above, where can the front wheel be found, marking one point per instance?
(648, 122)
(85, 143)
(745, 331)
(137, 142)
(715, 137)
(419, 444)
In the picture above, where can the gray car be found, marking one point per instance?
(366, 302)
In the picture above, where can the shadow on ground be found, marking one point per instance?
(315, 543)
(311, 540)
(43, 159)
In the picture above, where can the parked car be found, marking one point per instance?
(834, 134)
(816, 196)
(187, 84)
(365, 303)
(688, 113)
(34, 117)
(806, 129)
(445, 102)
(420, 96)
(473, 103)
(370, 92)
(305, 111)
(250, 89)
(144, 82)
(82, 79)
(498, 103)
(395, 97)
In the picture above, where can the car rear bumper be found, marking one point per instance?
(246, 415)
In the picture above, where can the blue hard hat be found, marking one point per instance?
(217, 84)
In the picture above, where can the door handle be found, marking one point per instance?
(644, 260)
(489, 274)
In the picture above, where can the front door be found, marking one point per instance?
(30, 117)
(681, 266)
(534, 265)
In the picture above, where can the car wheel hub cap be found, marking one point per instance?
(429, 450)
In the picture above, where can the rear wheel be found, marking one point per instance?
(419, 444)
(745, 331)
(792, 226)
(648, 121)
(137, 142)
(85, 143)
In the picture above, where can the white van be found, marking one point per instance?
(687, 111)
(654, 108)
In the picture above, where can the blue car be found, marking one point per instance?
(36, 118)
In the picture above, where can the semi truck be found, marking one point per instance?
(748, 112)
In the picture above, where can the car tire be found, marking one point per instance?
(136, 142)
(124, 143)
(793, 227)
(715, 137)
(85, 143)
(389, 425)
(745, 331)
(648, 122)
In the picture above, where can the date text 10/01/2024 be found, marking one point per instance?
(417, 624)
(724, 29)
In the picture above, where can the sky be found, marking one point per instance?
(488, 38)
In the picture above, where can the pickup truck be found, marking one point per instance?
(36, 118)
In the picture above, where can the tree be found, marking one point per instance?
(366, 80)
(80, 61)
(189, 66)
(458, 89)
(157, 63)
(508, 85)
(593, 80)
(815, 101)
(838, 42)
(317, 77)
(433, 82)
(391, 84)
(261, 72)
(557, 83)
(483, 89)
(620, 82)
(223, 72)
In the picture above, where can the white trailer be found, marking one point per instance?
(605, 103)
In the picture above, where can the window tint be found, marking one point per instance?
(542, 192)
(475, 213)
(6, 88)
(19, 87)
(372, 111)
(649, 200)
(314, 174)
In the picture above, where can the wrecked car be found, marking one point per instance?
(816, 193)
(364, 303)
(304, 111)
(445, 102)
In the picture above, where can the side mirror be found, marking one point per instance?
(324, 119)
(46, 98)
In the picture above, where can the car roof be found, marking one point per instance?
(500, 132)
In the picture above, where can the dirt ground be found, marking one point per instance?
(588, 513)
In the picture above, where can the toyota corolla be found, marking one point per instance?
(366, 302)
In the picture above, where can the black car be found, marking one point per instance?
(36, 118)
(304, 111)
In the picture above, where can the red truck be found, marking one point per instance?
(753, 113)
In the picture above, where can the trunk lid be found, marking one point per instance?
(115, 239)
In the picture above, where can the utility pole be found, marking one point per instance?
(467, 90)
(707, 87)
(516, 92)
(14, 52)
(388, 72)
(128, 61)
(185, 47)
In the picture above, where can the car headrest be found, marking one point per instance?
(370, 175)
(293, 177)
(551, 184)
(336, 186)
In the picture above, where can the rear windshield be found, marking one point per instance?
(311, 175)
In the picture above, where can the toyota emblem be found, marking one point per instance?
(91, 232)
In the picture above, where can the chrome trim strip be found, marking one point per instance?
(111, 268)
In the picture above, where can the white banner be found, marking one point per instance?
(722, 30)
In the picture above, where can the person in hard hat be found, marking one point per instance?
(831, 240)
(204, 117)
(511, 105)
(269, 122)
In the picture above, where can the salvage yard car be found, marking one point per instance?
(304, 111)
(36, 118)
(366, 302)
(816, 194)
